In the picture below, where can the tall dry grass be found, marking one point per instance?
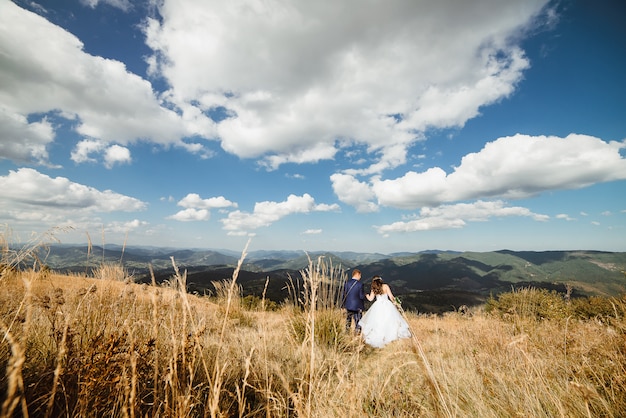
(99, 346)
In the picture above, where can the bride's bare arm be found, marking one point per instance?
(370, 296)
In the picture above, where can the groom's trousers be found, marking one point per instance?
(356, 316)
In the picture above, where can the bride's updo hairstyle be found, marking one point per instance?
(377, 285)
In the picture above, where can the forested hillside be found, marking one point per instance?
(432, 281)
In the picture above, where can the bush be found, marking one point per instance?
(543, 304)
(255, 303)
(605, 309)
(530, 303)
(329, 327)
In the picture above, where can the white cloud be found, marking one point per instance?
(295, 176)
(193, 200)
(513, 167)
(565, 217)
(301, 78)
(31, 199)
(426, 224)
(198, 209)
(521, 166)
(85, 148)
(324, 76)
(456, 216)
(314, 153)
(323, 207)
(353, 192)
(191, 214)
(111, 155)
(124, 227)
(413, 189)
(31, 189)
(116, 154)
(312, 232)
(266, 213)
(22, 141)
(447, 106)
(120, 4)
(46, 70)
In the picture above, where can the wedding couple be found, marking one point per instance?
(382, 323)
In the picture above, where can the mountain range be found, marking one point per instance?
(428, 281)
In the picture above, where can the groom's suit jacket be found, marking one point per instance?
(353, 295)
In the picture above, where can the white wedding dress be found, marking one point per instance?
(382, 323)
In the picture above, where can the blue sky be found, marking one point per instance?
(385, 126)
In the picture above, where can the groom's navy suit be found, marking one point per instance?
(353, 301)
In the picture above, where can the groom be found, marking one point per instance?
(353, 300)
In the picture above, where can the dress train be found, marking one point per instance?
(382, 323)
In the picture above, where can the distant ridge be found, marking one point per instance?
(405, 254)
(449, 277)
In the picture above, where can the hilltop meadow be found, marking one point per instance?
(98, 344)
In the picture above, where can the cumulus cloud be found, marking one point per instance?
(22, 141)
(457, 216)
(191, 214)
(300, 79)
(45, 70)
(114, 154)
(266, 213)
(84, 149)
(314, 153)
(31, 198)
(28, 188)
(312, 232)
(324, 76)
(512, 167)
(193, 200)
(353, 192)
(198, 209)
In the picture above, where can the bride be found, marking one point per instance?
(382, 323)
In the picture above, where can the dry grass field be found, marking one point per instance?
(103, 346)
